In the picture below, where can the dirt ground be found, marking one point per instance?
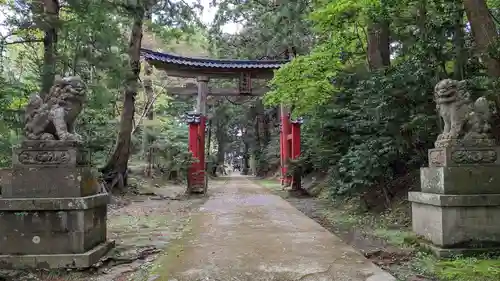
(142, 226)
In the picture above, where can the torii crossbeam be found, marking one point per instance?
(203, 69)
(193, 91)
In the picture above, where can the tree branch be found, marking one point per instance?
(24, 41)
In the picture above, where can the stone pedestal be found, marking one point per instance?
(458, 208)
(52, 215)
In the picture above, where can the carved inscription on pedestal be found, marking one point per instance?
(474, 156)
(44, 157)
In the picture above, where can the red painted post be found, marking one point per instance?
(201, 108)
(282, 166)
(284, 144)
(296, 138)
(201, 151)
(296, 183)
(193, 120)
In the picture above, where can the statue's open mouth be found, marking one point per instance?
(446, 96)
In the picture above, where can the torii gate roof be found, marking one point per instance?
(181, 66)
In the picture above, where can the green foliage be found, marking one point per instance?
(366, 127)
(171, 148)
(463, 269)
(306, 81)
(92, 42)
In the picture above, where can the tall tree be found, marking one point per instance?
(485, 33)
(50, 24)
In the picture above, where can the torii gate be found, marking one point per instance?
(245, 70)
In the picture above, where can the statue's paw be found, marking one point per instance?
(47, 136)
(77, 138)
(72, 137)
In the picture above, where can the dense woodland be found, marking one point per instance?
(362, 78)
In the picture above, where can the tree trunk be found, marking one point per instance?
(378, 49)
(116, 168)
(459, 44)
(213, 170)
(209, 137)
(150, 114)
(485, 35)
(220, 135)
(49, 22)
(484, 32)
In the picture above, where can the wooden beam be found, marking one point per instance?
(193, 91)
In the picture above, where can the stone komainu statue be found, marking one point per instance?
(466, 123)
(53, 117)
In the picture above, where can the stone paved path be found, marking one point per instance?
(243, 232)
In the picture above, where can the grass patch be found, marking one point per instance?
(401, 238)
(468, 269)
(271, 184)
(342, 217)
(424, 264)
(274, 186)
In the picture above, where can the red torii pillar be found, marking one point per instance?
(296, 179)
(289, 147)
(194, 179)
(202, 110)
(285, 145)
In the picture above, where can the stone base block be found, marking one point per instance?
(462, 252)
(83, 260)
(52, 225)
(457, 221)
(51, 182)
(51, 169)
(460, 180)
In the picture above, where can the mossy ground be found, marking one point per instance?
(386, 238)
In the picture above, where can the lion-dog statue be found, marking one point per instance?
(53, 116)
(466, 123)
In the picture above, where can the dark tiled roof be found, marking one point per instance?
(211, 63)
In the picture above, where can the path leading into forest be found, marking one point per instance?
(243, 232)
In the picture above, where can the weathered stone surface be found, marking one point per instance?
(464, 156)
(457, 221)
(461, 180)
(52, 232)
(52, 182)
(48, 229)
(446, 200)
(51, 242)
(51, 169)
(5, 179)
(53, 116)
(50, 153)
(54, 204)
(466, 123)
(454, 252)
(82, 260)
